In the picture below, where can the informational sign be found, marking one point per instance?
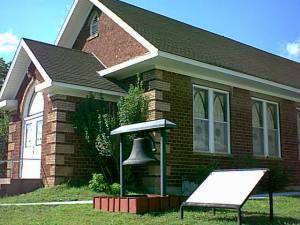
(227, 187)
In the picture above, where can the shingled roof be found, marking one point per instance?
(71, 66)
(181, 39)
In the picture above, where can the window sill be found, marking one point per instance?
(268, 157)
(92, 37)
(213, 154)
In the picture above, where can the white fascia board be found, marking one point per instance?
(227, 71)
(267, 90)
(7, 78)
(9, 105)
(86, 89)
(128, 63)
(66, 22)
(125, 26)
(74, 22)
(73, 90)
(35, 62)
(23, 52)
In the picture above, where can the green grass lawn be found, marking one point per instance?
(255, 212)
(62, 192)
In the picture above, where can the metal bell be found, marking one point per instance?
(141, 153)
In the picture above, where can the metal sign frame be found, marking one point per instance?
(238, 208)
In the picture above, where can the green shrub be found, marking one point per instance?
(115, 189)
(97, 183)
(277, 179)
(203, 171)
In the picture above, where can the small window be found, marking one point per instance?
(265, 128)
(39, 132)
(29, 136)
(94, 24)
(211, 120)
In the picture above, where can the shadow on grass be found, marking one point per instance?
(251, 218)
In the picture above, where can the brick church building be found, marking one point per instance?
(229, 100)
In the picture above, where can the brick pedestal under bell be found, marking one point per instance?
(138, 204)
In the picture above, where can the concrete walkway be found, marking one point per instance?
(49, 203)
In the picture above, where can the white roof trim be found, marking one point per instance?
(21, 57)
(128, 63)
(67, 20)
(125, 26)
(9, 105)
(10, 70)
(68, 88)
(35, 62)
(78, 3)
(227, 71)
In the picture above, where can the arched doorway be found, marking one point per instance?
(32, 135)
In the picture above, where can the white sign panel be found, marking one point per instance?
(227, 187)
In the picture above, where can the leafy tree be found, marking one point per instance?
(133, 108)
(3, 70)
(4, 115)
(93, 121)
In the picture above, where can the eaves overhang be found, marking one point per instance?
(181, 65)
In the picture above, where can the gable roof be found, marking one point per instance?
(181, 39)
(71, 66)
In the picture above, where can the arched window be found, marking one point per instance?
(265, 129)
(200, 101)
(219, 108)
(257, 114)
(94, 24)
(36, 104)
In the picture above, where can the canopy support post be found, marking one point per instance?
(121, 167)
(163, 162)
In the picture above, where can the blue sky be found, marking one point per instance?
(273, 26)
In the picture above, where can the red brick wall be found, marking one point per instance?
(112, 46)
(181, 159)
(62, 156)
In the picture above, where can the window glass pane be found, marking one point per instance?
(272, 116)
(201, 135)
(39, 131)
(273, 142)
(29, 135)
(257, 114)
(257, 128)
(94, 25)
(200, 103)
(220, 107)
(258, 141)
(221, 137)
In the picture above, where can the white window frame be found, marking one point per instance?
(265, 127)
(94, 15)
(211, 130)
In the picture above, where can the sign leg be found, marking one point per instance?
(239, 217)
(181, 212)
(271, 205)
